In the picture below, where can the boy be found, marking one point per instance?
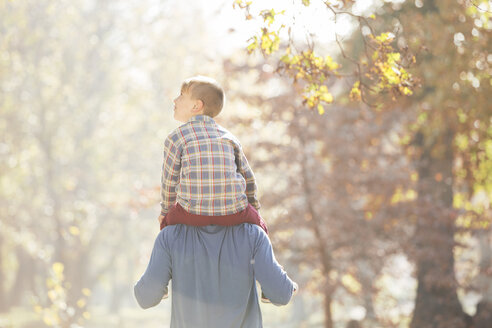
(206, 178)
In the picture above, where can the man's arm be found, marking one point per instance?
(171, 167)
(247, 173)
(274, 281)
(153, 284)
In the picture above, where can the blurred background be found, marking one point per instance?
(380, 212)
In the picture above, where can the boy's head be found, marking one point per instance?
(199, 95)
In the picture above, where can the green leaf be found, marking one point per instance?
(461, 141)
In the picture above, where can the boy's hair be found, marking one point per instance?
(208, 91)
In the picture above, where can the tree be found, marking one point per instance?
(85, 103)
(449, 139)
(330, 190)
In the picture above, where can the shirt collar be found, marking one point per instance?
(201, 118)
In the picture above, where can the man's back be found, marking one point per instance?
(213, 269)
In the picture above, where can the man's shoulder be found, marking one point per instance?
(167, 235)
(251, 231)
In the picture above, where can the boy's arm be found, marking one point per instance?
(171, 167)
(247, 173)
(274, 281)
(153, 284)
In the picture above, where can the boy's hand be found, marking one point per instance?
(296, 288)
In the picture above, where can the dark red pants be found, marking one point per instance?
(178, 215)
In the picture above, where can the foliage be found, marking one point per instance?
(444, 130)
(79, 110)
(381, 69)
(330, 193)
(59, 312)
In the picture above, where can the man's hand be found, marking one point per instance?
(160, 218)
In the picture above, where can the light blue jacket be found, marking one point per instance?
(213, 271)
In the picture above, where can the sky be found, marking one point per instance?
(231, 30)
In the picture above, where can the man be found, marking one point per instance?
(213, 269)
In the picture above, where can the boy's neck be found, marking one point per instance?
(196, 116)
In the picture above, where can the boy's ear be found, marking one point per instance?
(198, 106)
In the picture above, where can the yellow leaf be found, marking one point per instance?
(351, 283)
(52, 295)
(384, 37)
(393, 57)
(81, 303)
(330, 63)
(74, 230)
(355, 93)
(253, 45)
(86, 291)
(50, 283)
(321, 109)
(407, 91)
(38, 309)
(47, 321)
(375, 55)
(461, 141)
(411, 194)
(422, 118)
(285, 59)
(58, 269)
(327, 97)
(397, 196)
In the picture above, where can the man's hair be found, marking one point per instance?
(208, 91)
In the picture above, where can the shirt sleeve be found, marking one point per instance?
(247, 173)
(153, 284)
(171, 168)
(274, 281)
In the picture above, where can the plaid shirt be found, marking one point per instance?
(206, 171)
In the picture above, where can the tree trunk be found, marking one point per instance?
(366, 276)
(437, 304)
(117, 293)
(322, 248)
(327, 309)
(483, 316)
(316, 226)
(24, 279)
(3, 291)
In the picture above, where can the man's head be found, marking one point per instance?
(199, 95)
